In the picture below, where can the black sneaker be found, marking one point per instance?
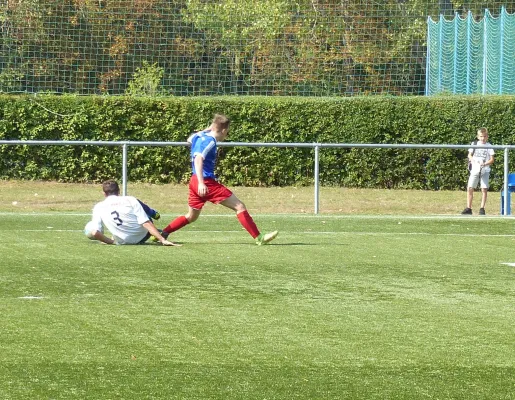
(467, 211)
(482, 211)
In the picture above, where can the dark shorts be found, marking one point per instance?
(147, 236)
(216, 193)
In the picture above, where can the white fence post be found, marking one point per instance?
(505, 186)
(124, 169)
(317, 178)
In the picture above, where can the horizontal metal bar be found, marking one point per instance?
(87, 143)
(251, 144)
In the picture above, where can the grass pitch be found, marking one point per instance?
(338, 307)
(26, 196)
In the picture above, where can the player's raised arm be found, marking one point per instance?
(190, 138)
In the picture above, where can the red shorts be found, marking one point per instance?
(216, 193)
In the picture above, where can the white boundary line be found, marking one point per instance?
(311, 216)
(195, 232)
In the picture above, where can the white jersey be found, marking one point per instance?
(481, 155)
(123, 216)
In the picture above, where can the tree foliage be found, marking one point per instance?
(268, 47)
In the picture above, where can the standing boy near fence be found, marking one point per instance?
(480, 160)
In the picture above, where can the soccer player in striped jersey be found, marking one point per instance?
(204, 187)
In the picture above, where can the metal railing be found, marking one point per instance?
(316, 146)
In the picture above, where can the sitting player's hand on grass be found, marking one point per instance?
(166, 242)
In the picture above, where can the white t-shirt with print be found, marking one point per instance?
(123, 216)
(481, 155)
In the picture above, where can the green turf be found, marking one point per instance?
(341, 307)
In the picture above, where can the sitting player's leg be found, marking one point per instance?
(152, 214)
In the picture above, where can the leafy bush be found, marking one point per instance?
(146, 81)
(376, 120)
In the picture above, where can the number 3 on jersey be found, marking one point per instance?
(116, 218)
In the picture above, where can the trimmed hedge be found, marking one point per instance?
(426, 120)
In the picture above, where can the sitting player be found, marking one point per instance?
(128, 219)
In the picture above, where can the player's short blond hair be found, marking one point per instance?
(221, 121)
(482, 131)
